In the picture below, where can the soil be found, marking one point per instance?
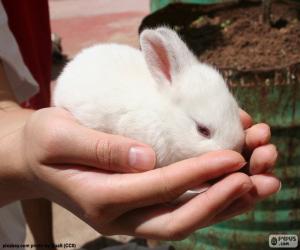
(233, 36)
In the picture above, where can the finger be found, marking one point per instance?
(239, 206)
(245, 119)
(263, 159)
(162, 222)
(88, 147)
(257, 135)
(263, 187)
(167, 183)
(213, 201)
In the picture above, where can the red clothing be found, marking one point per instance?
(29, 22)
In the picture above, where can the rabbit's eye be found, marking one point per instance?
(203, 130)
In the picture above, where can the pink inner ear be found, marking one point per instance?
(162, 59)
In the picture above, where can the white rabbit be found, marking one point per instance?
(162, 96)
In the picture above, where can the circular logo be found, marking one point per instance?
(273, 241)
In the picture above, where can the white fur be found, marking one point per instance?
(154, 95)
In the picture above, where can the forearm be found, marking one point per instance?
(13, 176)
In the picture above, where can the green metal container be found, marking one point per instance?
(271, 96)
(158, 4)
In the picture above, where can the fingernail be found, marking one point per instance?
(244, 168)
(141, 158)
(243, 164)
(279, 188)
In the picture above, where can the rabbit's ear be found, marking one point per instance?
(165, 53)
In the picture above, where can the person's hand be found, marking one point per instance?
(70, 164)
(261, 157)
(53, 136)
(258, 151)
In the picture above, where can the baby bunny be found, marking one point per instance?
(162, 96)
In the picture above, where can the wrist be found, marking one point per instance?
(9, 105)
(15, 174)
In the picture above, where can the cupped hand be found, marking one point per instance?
(258, 151)
(76, 167)
(261, 157)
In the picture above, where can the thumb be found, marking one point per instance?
(81, 145)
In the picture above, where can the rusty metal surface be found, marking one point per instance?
(270, 96)
(278, 105)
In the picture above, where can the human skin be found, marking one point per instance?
(98, 177)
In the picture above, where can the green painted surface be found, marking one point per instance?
(158, 4)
